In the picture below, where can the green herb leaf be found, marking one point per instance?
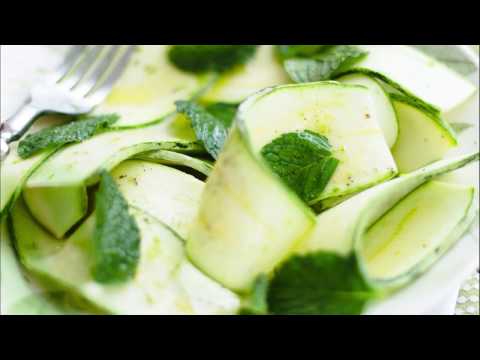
(257, 301)
(116, 241)
(318, 283)
(211, 124)
(296, 51)
(204, 58)
(303, 160)
(56, 136)
(458, 127)
(325, 65)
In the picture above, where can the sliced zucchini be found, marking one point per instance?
(236, 234)
(14, 171)
(167, 194)
(424, 136)
(17, 296)
(262, 71)
(417, 229)
(415, 73)
(252, 203)
(147, 90)
(165, 282)
(177, 159)
(345, 114)
(398, 229)
(386, 116)
(56, 193)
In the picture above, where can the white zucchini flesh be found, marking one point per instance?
(165, 282)
(423, 137)
(418, 74)
(248, 220)
(344, 228)
(345, 114)
(56, 193)
(263, 71)
(386, 117)
(150, 85)
(167, 194)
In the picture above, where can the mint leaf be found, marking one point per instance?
(257, 301)
(293, 51)
(325, 65)
(210, 124)
(116, 241)
(303, 160)
(204, 58)
(56, 136)
(318, 283)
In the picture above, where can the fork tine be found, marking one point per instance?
(71, 79)
(99, 94)
(87, 84)
(71, 58)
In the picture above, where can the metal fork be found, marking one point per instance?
(81, 82)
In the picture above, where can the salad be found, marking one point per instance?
(245, 179)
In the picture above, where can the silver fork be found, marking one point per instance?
(81, 82)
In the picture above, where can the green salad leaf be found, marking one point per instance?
(116, 241)
(320, 283)
(56, 136)
(324, 65)
(303, 160)
(210, 124)
(204, 58)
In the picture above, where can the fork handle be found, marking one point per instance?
(16, 125)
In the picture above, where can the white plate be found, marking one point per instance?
(22, 65)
